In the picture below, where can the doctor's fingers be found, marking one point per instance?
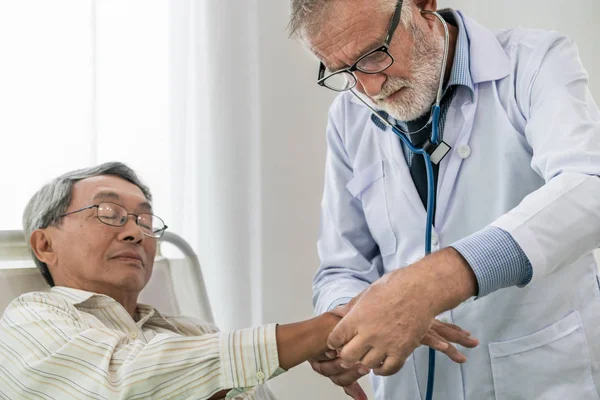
(342, 310)
(354, 351)
(438, 343)
(327, 356)
(373, 359)
(390, 366)
(345, 330)
(454, 334)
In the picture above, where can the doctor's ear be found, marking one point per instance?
(426, 5)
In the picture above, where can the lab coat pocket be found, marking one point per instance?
(551, 364)
(368, 186)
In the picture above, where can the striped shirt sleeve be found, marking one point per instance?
(48, 351)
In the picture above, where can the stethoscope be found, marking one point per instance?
(433, 151)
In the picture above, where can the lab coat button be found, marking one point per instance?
(464, 151)
(434, 239)
(133, 335)
(260, 376)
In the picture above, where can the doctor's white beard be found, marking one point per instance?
(420, 91)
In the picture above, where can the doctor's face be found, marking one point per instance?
(408, 88)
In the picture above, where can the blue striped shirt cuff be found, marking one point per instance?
(496, 259)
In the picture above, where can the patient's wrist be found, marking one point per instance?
(304, 340)
(327, 322)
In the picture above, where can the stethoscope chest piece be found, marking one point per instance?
(437, 152)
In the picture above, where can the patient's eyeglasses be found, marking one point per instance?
(116, 215)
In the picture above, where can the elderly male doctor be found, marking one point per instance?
(517, 211)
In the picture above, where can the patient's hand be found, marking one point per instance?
(329, 365)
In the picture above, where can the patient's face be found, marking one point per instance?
(96, 257)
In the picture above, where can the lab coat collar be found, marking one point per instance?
(488, 60)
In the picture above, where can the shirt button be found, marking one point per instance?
(464, 151)
(133, 335)
(260, 376)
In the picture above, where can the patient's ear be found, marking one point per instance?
(41, 244)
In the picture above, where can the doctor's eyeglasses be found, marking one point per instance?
(116, 215)
(373, 62)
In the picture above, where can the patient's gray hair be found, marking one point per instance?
(308, 16)
(52, 200)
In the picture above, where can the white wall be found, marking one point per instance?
(576, 19)
(293, 117)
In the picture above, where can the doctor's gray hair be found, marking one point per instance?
(52, 200)
(308, 16)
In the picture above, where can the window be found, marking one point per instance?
(83, 82)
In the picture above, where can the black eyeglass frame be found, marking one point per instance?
(354, 67)
(137, 218)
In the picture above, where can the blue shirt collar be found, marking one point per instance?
(461, 71)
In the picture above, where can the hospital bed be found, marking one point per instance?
(176, 287)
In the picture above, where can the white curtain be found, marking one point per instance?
(45, 96)
(82, 82)
(214, 149)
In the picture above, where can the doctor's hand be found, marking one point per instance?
(393, 316)
(440, 336)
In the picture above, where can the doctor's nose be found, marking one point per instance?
(371, 84)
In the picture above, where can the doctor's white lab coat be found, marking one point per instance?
(525, 158)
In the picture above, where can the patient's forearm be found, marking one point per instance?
(299, 342)
(304, 340)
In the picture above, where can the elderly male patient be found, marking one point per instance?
(93, 235)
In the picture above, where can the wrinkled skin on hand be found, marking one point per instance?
(439, 336)
(392, 317)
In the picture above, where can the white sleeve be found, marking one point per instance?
(560, 222)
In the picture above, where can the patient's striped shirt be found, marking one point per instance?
(71, 344)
